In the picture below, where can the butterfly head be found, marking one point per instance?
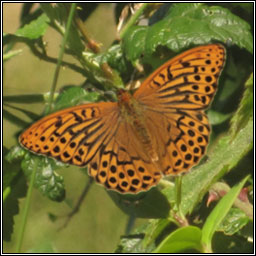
(123, 96)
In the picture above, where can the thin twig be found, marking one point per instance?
(79, 202)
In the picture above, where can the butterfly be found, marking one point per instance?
(128, 145)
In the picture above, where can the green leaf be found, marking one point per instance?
(11, 167)
(114, 56)
(131, 244)
(101, 73)
(234, 221)
(185, 238)
(134, 43)
(54, 12)
(218, 214)
(73, 96)
(155, 229)
(188, 24)
(143, 238)
(47, 180)
(74, 41)
(58, 15)
(18, 189)
(14, 153)
(144, 205)
(34, 29)
(216, 117)
(245, 110)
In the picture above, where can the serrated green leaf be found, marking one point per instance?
(47, 180)
(34, 29)
(185, 238)
(131, 244)
(73, 96)
(188, 24)
(14, 153)
(218, 214)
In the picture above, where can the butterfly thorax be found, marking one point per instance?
(132, 112)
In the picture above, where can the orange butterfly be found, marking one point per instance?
(129, 144)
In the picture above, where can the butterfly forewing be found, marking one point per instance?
(188, 81)
(73, 135)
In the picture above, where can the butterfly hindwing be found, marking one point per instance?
(122, 164)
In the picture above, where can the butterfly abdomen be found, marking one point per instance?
(145, 139)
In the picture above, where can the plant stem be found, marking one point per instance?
(80, 201)
(132, 20)
(178, 190)
(178, 184)
(61, 53)
(130, 224)
(26, 208)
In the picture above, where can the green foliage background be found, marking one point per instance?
(148, 218)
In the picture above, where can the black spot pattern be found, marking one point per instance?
(42, 138)
(105, 164)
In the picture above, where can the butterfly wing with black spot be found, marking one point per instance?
(174, 98)
(94, 134)
(122, 163)
(73, 135)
